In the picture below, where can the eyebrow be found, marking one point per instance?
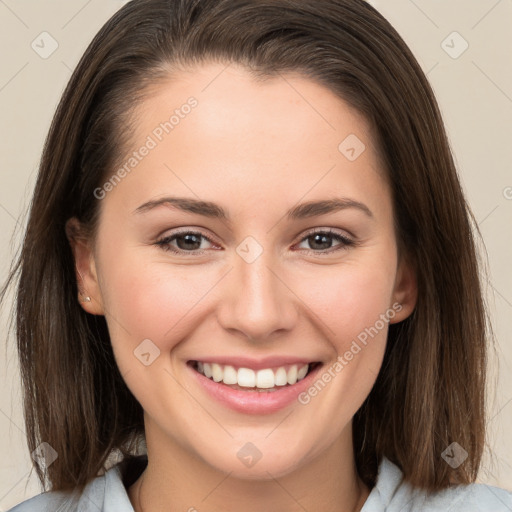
(213, 210)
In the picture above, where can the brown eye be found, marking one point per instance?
(186, 242)
(321, 241)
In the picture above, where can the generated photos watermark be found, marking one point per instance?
(356, 346)
(152, 140)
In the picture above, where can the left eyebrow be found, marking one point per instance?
(315, 208)
(187, 204)
(213, 210)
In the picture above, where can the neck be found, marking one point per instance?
(176, 479)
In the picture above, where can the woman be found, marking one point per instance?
(259, 370)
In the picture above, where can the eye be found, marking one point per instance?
(319, 239)
(189, 242)
(186, 241)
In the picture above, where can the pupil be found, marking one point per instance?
(321, 240)
(317, 236)
(188, 239)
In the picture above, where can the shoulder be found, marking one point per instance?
(105, 493)
(47, 502)
(392, 494)
(469, 498)
(481, 497)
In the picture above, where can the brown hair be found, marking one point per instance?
(430, 389)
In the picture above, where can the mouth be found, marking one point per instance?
(264, 380)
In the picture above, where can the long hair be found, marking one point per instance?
(430, 389)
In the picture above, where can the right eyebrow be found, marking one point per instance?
(213, 210)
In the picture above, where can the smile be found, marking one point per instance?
(249, 379)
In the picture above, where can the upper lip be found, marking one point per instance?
(257, 364)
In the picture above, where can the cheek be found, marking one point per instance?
(162, 298)
(353, 303)
(349, 299)
(149, 301)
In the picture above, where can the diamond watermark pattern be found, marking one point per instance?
(44, 45)
(454, 455)
(249, 249)
(454, 45)
(146, 352)
(44, 455)
(249, 455)
(351, 147)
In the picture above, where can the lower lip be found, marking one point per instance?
(254, 402)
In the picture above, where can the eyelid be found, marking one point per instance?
(330, 231)
(345, 241)
(162, 240)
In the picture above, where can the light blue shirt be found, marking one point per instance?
(107, 493)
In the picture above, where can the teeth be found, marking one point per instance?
(207, 370)
(217, 373)
(248, 378)
(302, 372)
(265, 378)
(281, 377)
(292, 375)
(230, 375)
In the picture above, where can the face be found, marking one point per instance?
(270, 289)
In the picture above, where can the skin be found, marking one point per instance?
(256, 148)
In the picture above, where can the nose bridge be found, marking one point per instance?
(259, 303)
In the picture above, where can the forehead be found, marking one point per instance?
(217, 127)
(230, 97)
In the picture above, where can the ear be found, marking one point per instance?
(405, 291)
(89, 295)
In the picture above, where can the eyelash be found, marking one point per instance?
(164, 243)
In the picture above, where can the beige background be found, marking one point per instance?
(475, 94)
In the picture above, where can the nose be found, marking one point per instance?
(256, 301)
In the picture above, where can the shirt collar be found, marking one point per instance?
(108, 493)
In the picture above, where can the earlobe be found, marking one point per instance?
(89, 294)
(405, 292)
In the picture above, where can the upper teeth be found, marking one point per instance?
(246, 377)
